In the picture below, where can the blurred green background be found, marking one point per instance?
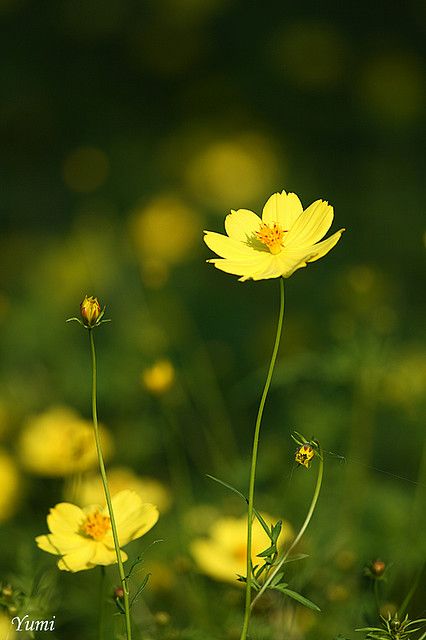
(126, 129)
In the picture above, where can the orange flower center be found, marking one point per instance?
(271, 236)
(96, 525)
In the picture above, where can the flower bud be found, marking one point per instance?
(377, 568)
(90, 311)
(119, 592)
(304, 455)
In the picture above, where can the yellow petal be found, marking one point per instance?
(311, 226)
(59, 543)
(65, 518)
(105, 556)
(246, 268)
(242, 224)
(227, 247)
(283, 208)
(79, 559)
(133, 517)
(321, 248)
(44, 543)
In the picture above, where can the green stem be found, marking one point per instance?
(102, 604)
(107, 492)
(302, 529)
(247, 610)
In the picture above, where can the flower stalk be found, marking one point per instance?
(102, 470)
(250, 509)
(301, 531)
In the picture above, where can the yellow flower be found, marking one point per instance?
(304, 455)
(83, 537)
(10, 484)
(60, 443)
(285, 239)
(7, 630)
(91, 491)
(159, 378)
(222, 556)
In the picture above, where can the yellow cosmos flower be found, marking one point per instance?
(286, 238)
(83, 537)
(222, 555)
(60, 443)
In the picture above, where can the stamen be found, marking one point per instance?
(272, 237)
(96, 525)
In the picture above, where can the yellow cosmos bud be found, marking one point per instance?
(90, 311)
(304, 455)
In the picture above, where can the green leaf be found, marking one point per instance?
(298, 597)
(140, 588)
(270, 551)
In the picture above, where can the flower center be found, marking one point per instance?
(96, 525)
(272, 237)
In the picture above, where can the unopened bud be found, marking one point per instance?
(377, 568)
(90, 311)
(119, 592)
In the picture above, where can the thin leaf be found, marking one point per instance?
(298, 597)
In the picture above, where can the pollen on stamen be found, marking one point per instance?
(96, 525)
(272, 237)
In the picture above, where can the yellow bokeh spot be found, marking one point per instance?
(392, 87)
(60, 443)
(159, 378)
(7, 630)
(311, 54)
(222, 555)
(239, 169)
(90, 489)
(85, 169)
(10, 484)
(165, 229)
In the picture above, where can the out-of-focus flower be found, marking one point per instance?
(10, 486)
(90, 490)
(404, 382)
(232, 169)
(165, 229)
(83, 537)
(159, 378)
(7, 630)
(90, 311)
(222, 555)
(285, 239)
(60, 443)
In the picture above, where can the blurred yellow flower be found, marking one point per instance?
(83, 537)
(222, 555)
(60, 443)
(159, 378)
(90, 490)
(7, 631)
(10, 486)
(285, 239)
(165, 229)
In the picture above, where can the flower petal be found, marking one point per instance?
(133, 517)
(283, 208)
(79, 559)
(246, 268)
(105, 556)
(242, 224)
(65, 518)
(227, 247)
(311, 226)
(59, 543)
(321, 248)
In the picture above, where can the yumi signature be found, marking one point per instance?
(25, 624)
